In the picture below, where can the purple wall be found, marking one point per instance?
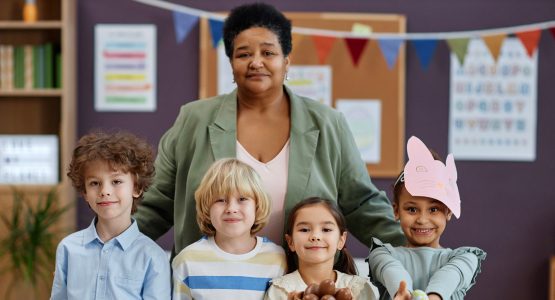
(507, 206)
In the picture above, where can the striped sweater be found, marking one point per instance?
(204, 271)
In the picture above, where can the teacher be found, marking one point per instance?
(299, 147)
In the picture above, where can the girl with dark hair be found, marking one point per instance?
(316, 233)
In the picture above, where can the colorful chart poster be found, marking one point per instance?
(364, 117)
(125, 67)
(493, 105)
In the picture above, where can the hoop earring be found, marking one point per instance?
(233, 80)
(287, 76)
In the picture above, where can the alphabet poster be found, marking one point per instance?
(493, 105)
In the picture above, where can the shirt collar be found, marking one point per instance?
(125, 239)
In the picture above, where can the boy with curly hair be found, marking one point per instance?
(111, 259)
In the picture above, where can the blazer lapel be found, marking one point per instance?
(303, 142)
(223, 131)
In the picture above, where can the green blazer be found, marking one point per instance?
(323, 161)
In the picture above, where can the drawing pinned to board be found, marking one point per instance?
(364, 119)
(493, 105)
(311, 81)
(125, 67)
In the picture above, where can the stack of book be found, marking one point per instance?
(30, 67)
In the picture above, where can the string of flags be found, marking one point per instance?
(185, 18)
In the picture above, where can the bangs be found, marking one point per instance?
(230, 183)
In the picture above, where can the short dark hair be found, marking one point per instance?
(122, 151)
(257, 15)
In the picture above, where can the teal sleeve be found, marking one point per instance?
(386, 269)
(458, 275)
(155, 213)
(367, 209)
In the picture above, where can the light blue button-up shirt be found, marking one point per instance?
(129, 266)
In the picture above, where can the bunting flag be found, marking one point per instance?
(494, 42)
(390, 50)
(459, 47)
(183, 23)
(425, 50)
(323, 45)
(425, 43)
(355, 46)
(530, 40)
(216, 31)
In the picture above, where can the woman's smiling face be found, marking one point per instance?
(257, 61)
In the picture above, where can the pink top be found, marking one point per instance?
(274, 179)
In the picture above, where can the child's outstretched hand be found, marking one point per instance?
(402, 292)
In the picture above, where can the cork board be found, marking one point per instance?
(370, 79)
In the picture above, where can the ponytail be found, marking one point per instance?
(345, 263)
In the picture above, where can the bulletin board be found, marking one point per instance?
(370, 79)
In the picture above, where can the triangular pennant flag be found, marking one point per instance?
(494, 42)
(459, 47)
(355, 46)
(390, 50)
(183, 23)
(552, 29)
(216, 27)
(425, 50)
(323, 46)
(530, 40)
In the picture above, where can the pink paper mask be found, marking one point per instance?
(426, 177)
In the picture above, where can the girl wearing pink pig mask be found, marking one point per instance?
(426, 196)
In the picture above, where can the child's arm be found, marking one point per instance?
(59, 286)
(157, 280)
(458, 274)
(386, 269)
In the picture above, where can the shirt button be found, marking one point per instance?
(101, 277)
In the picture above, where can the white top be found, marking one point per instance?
(360, 287)
(274, 179)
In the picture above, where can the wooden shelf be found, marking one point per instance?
(39, 25)
(32, 93)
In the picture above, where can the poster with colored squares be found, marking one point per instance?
(493, 103)
(125, 68)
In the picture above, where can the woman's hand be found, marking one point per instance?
(402, 292)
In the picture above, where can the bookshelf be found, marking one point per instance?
(41, 110)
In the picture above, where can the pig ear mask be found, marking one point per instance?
(426, 177)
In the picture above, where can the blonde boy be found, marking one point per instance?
(230, 261)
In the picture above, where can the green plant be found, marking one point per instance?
(29, 245)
